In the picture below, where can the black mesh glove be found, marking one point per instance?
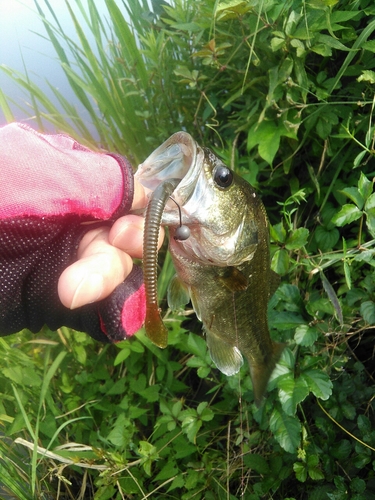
(51, 190)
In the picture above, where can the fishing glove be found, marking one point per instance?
(51, 190)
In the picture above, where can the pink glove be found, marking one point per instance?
(52, 191)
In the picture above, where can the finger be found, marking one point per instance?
(127, 234)
(100, 269)
(140, 198)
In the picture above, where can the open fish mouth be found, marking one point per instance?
(179, 157)
(171, 171)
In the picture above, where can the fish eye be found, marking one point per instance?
(223, 177)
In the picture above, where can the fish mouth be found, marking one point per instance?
(179, 157)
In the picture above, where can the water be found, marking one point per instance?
(23, 45)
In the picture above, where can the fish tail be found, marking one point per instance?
(261, 372)
(155, 328)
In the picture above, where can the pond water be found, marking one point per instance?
(23, 44)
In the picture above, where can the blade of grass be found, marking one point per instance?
(35, 433)
(23, 411)
(4, 106)
(14, 472)
(127, 40)
(48, 376)
(12, 483)
(362, 37)
(64, 59)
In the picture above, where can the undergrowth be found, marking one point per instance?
(283, 91)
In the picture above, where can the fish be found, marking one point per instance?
(222, 262)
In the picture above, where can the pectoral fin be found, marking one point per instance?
(178, 294)
(234, 279)
(226, 357)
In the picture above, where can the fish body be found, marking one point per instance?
(224, 265)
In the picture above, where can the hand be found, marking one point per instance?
(105, 258)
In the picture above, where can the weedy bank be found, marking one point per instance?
(284, 94)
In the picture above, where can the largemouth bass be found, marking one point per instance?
(223, 267)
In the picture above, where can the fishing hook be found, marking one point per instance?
(182, 232)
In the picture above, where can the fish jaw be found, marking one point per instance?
(179, 157)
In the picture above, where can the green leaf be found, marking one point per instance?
(370, 202)
(267, 136)
(297, 239)
(364, 424)
(286, 429)
(278, 232)
(364, 187)
(349, 213)
(206, 414)
(176, 409)
(299, 46)
(367, 76)
(358, 485)
(291, 392)
(332, 297)
(322, 50)
(316, 474)
(369, 45)
(305, 335)
(280, 261)
(355, 195)
(256, 462)
(291, 296)
(178, 482)
(190, 424)
(326, 238)
(22, 375)
(151, 393)
(285, 320)
(368, 311)
(358, 159)
(329, 41)
(169, 470)
(370, 214)
(203, 371)
(277, 43)
(300, 469)
(149, 454)
(318, 382)
(342, 449)
(231, 9)
(360, 460)
(196, 345)
(122, 355)
(339, 16)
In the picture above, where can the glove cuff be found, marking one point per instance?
(122, 313)
(128, 186)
